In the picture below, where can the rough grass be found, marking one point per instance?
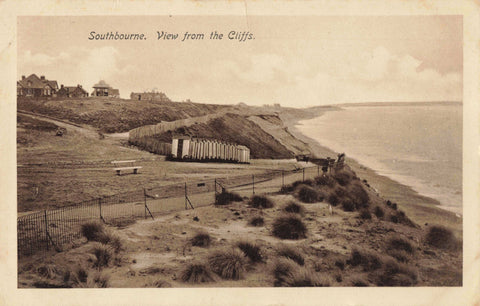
(289, 227)
(365, 214)
(228, 264)
(325, 180)
(399, 243)
(256, 221)
(333, 199)
(261, 202)
(201, 239)
(103, 255)
(287, 273)
(250, 250)
(343, 177)
(291, 253)
(295, 208)
(369, 260)
(358, 195)
(197, 273)
(441, 237)
(307, 194)
(92, 230)
(226, 197)
(396, 274)
(378, 211)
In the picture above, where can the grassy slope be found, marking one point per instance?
(115, 115)
(237, 129)
(154, 255)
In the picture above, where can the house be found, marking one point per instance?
(102, 89)
(149, 96)
(72, 91)
(34, 86)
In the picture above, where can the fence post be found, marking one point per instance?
(318, 170)
(186, 207)
(283, 179)
(303, 179)
(145, 202)
(46, 228)
(215, 186)
(100, 207)
(253, 183)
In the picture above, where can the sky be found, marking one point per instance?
(291, 60)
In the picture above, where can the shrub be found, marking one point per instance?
(257, 221)
(260, 202)
(340, 264)
(397, 274)
(289, 227)
(394, 218)
(394, 206)
(399, 255)
(160, 284)
(201, 239)
(92, 231)
(293, 207)
(365, 214)
(348, 205)
(103, 255)
(343, 177)
(359, 196)
(358, 282)
(228, 264)
(333, 199)
(291, 253)
(307, 194)
(340, 192)
(287, 274)
(369, 260)
(389, 203)
(378, 211)
(250, 250)
(399, 243)
(441, 237)
(325, 180)
(226, 197)
(197, 273)
(49, 271)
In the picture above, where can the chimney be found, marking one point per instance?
(23, 77)
(42, 77)
(61, 86)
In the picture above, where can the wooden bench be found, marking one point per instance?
(129, 163)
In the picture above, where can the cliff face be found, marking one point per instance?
(237, 129)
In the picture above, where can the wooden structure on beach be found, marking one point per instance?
(195, 149)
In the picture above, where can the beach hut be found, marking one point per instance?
(180, 146)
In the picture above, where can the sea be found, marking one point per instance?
(416, 145)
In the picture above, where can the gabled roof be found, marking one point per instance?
(36, 82)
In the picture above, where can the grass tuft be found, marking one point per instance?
(261, 202)
(288, 274)
(307, 194)
(291, 253)
(250, 250)
(226, 197)
(441, 237)
(256, 221)
(197, 273)
(92, 230)
(289, 227)
(378, 211)
(295, 208)
(228, 264)
(201, 239)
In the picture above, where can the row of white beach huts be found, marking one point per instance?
(197, 149)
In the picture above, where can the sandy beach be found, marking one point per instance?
(421, 209)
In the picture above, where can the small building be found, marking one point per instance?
(72, 91)
(195, 149)
(34, 86)
(150, 96)
(102, 89)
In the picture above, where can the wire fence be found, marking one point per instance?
(52, 229)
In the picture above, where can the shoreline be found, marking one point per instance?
(421, 209)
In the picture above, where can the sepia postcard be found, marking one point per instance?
(230, 153)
